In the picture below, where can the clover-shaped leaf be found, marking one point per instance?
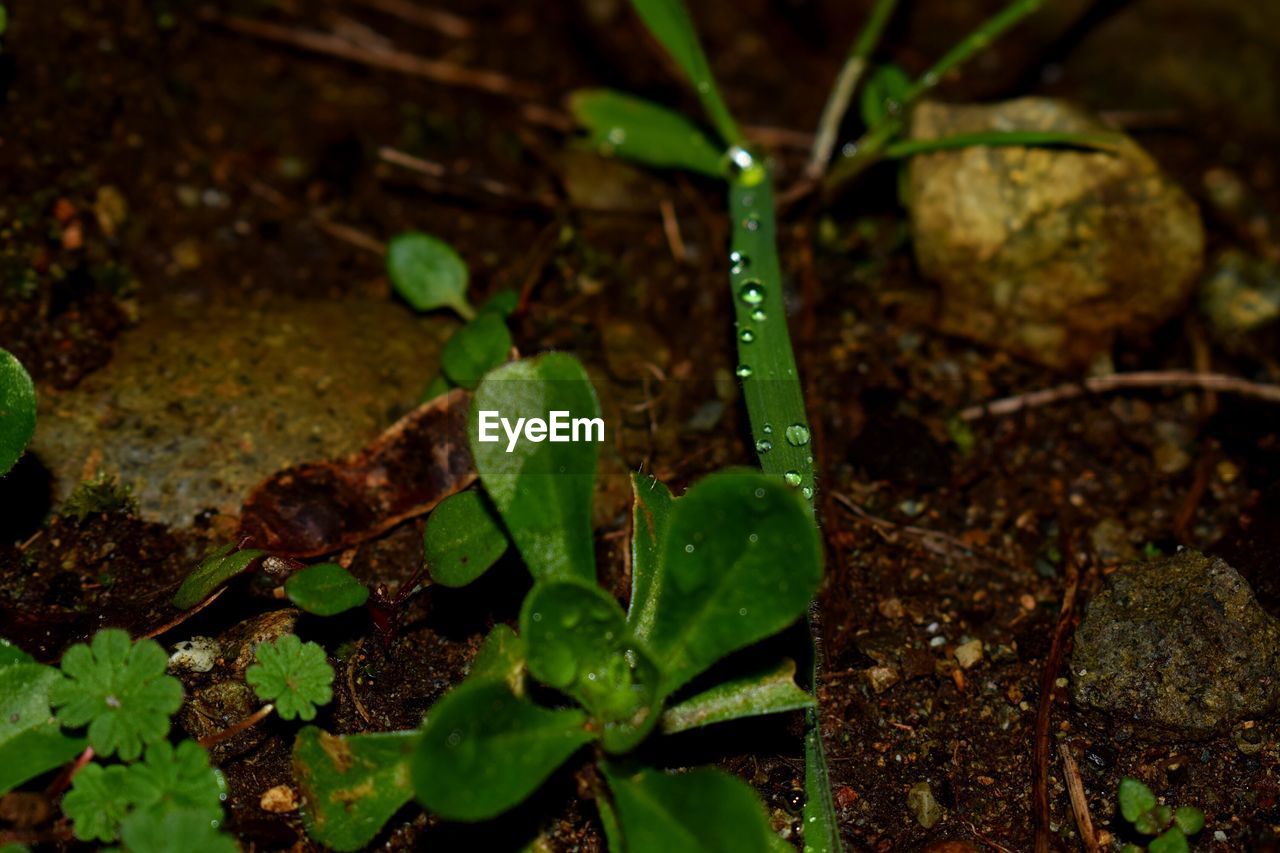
(176, 831)
(97, 802)
(178, 778)
(119, 689)
(294, 675)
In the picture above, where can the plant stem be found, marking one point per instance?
(766, 365)
(253, 719)
(870, 148)
(842, 91)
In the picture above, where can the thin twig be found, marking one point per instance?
(855, 65)
(438, 173)
(230, 732)
(935, 541)
(445, 23)
(671, 229)
(1123, 381)
(1079, 804)
(327, 44)
(186, 614)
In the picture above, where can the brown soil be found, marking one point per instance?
(234, 155)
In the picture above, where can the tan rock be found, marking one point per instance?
(279, 800)
(1048, 253)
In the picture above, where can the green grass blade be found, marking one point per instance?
(1112, 142)
(644, 132)
(671, 25)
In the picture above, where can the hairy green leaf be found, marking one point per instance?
(31, 742)
(770, 692)
(352, 784)
(120, 690)
(475, 349)
(1172, 840)
(17, 410)
(428, 273)
(702, 811)
(462, 539)
(325, 589)
(635, 129)
(542, 490)
(670, 23)
(218, 567)
(741, 562)
(650, 514)
(97, 802)
(10, 653)
(176, 831)
(296, 676)
(1189, 819)
(578, 642)
(176, 778)
(483, 750)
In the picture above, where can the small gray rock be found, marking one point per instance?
(924, 805)
(1177, 644)
(1048, 253)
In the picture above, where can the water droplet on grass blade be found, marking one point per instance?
(798, 435)
(743, 371)
(752, 292)
(792, 478)
(759, 316)
(747, 336)
(764, 445)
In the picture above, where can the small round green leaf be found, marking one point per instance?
(1136, 799)
(17, 410)
(463, 538)
(97, 802)
(475, 349)
(428, 273)
(483, 750)
(883, 93)
(1172, 840)
(325, 589)
(218, 567)
(1189, 819)
(296, 676)
(175, 831)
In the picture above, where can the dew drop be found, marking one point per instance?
(753, 538)
(768, 429)
(792, 478)
(751, 223)
(764, 445)
(807, 491)
(759, 316)
(742, 611)
(537, 617)
(688, 549)
(738, 263)
(759, 493)
(616, 136)
(797, 435)
(743, 371)
(751, 292)
(747, 336)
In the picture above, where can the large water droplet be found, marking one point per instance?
(792, 478)
(747, 336)
(743, 371)
(764, 445)
(797, 435)
(752, 292)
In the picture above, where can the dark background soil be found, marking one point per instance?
(238, 157)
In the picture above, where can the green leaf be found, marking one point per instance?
(176, 831)
(475, 349)
(97, 802)
(644, 132)
(884, 94)
(437, 386)
(1111, 142)
(296, 676)
(17, 410)
(176, 778)
(542, 490)
(462, 539)
(1154, 821)
(578, 643)
(1172, 840)
(120, 690)
(1135, 798)
(325, 589)
(770, 692)
(650, 514)
(428, 273)
(9, 653)
(483, 750)
(504, 302)
(1189, 819)
(31, 742)
(670, 23)
(702, 811)
(741, 562)
(218, 567)
(501, 658)
(609, 823)
(352, 784)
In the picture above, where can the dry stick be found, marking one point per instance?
(671, 229)
(1044, 710)
(327, 44)
(1124, 381)
(230, 732)
(186, 614)
(1079, 804)
(439, 172)
(445, 23)
(855, 65)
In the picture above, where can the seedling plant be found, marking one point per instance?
(1170, 827)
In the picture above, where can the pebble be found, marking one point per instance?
(279, 800)
(924, 805)
(968, 654)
